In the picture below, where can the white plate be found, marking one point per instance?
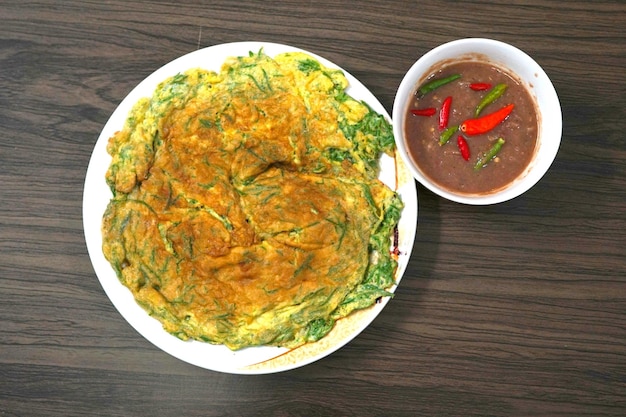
(256, 360)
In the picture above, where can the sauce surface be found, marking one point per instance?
(443, 164)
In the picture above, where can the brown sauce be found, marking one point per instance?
(443, 164)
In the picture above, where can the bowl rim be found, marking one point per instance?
(527, 69)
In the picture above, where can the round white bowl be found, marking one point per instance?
(529, 72)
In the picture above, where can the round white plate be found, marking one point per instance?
(256, 360)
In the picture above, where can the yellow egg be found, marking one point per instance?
(247, 208)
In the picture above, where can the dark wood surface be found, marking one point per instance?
(517, 309)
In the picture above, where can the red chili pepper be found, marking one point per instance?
(487, 122)
(463, 147)
(480, 86)
(444, 113)
(424, 112)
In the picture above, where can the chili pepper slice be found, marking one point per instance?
(495, 93)
(487, 122)
(480, 86)
(463, 147)
(447, 134)
(444, 113)
(491, 153)
(434, 84)
(429, 111)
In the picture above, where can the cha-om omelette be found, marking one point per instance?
(246, 208)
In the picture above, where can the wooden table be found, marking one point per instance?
(516, 309)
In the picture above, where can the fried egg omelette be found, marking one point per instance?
(246, 206)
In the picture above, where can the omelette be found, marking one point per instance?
(247, 209)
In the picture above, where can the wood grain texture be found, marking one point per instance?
(517, 309)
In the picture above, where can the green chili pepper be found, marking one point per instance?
(490, 97)
(490, 154)
(447, 134)
(434, 84)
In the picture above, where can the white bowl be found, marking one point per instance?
(535, 80)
